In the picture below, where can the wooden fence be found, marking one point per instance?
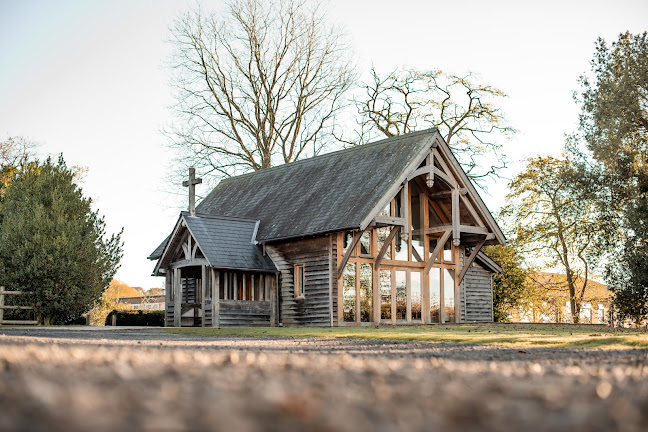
(4, 293)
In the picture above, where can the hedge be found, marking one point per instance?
(137, 318)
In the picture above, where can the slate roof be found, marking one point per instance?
(227, 243)
(157, 253)
(326, 193)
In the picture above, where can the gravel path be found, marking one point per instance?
(120, 379)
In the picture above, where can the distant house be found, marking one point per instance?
(551, 301)
(144, 302)
(383, 233)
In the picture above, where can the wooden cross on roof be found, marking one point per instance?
(191, 183)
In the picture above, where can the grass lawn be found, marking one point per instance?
(529, 335)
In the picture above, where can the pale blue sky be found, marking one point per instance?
(86, 78)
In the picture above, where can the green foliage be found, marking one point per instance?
(558, 221)
(137, 318)
(614, 124)
(509, 288)
(53, 244)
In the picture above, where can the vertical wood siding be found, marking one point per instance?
(478, 285)
(313, 254)
(244, 313)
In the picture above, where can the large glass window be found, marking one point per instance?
(385, 295)
(418, 236)
(401, 295)
(300, 281)
(349, 294)
(448, 297)
(435, 295)
(366, 293)
(382, 234)
(415, 295)
(365, 243)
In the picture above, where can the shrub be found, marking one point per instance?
(137, 318)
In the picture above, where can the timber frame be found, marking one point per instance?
(412, 255)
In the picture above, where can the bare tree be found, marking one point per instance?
(14, 153)
(257, 84)
(406, 100)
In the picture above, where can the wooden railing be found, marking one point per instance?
(4, 293)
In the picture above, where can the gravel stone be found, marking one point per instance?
(57, 379)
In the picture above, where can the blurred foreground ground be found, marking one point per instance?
(148, 380)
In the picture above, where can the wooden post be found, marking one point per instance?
(205, 286)
(405, 213)
(455, 276)
(456, 240)
(177, 298)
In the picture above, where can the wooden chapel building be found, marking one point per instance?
(384, 233)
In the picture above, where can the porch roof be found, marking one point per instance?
(226, 243)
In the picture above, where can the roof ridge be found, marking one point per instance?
(210, 216)
(333, 153)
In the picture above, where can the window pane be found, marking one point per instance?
(448, 296)
(401, 247)
(349, 298)
(365, 243)
(417, 224)
(348, 238)
(366, 293)
(383, 233)
(433, 218)
(415, 291)
(447, 251)
(435, 294)
(401, 295)
(385, 294)
(248, 287)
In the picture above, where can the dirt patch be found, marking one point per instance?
(69, 380)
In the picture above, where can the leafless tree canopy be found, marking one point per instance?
(408, 100)
(257, 84)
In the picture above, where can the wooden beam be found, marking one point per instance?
(405, 210)
(437, 250)
(472, 211)
(470, 260)
(455, 217)
(356, 238)
(389, 220)
(438, 229)
(429, 179)
(425, 171)
(446, 194)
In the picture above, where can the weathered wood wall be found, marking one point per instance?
(313, 254)
(478, 292)
(244, 313)
(334, 285)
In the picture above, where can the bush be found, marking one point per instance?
(137, 318)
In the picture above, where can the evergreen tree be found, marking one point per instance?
(53, 244)
(614, 123)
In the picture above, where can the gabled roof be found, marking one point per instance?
(331, 192)
(488, 262)
(226, 243)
